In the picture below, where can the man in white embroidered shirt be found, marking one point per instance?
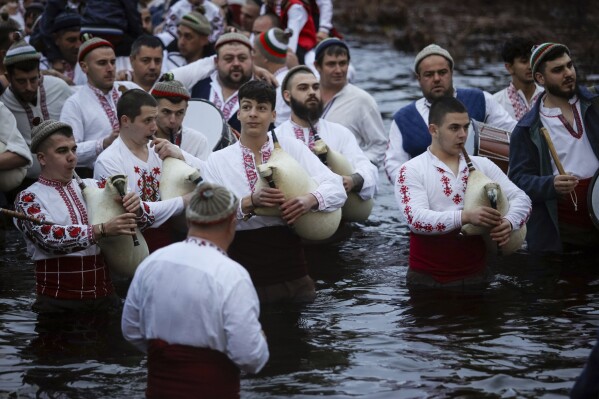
(430, 192)
(91, 111)
(204, 353)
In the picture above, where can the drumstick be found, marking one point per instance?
(22, 216)
(118, 181)
(556, 160)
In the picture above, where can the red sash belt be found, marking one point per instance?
(447, 257)
(565, 207)
(181, 371)
(159, 237)
(73, 277)
(271, 255)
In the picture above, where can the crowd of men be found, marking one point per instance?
(102, 89)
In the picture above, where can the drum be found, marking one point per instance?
(593, 199)
(204, 117)
(490, 142)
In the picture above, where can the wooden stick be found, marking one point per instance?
(558, 164)
(22, 216)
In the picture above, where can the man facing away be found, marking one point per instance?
(347, 104)
(91, 111)
(203, 355)
(409, 135)
(522, 92)
(430, 193)
(265, 245)
(571, 116)
(301, 90)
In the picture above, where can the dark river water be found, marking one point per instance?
(366, 335)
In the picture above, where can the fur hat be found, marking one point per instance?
(20, 51)
(198, 22)
(273, 44)
(540, 52)
(44, 130)
(233, 37)
(211, 204)
(432, 49)
(91, 44)
(168, 87)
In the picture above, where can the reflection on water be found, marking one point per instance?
(527, 335)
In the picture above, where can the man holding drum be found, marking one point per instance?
(265, 245)
(558, 183)
(430, 192)
(408, 135)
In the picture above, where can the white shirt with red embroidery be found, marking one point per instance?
(85, 114)
(191, 293)
(235, 168)
(62, 204)
(340, 139)
(431, 197)
(142, 177)
(512, 99)
(573, 147)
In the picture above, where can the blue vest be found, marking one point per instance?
(202, 90)
(414, 130)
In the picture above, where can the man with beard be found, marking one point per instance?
(301, 90)
(66, 32)
(234, 66)
(518, 97)
(91, 112)
(30, 96)
(409, 135)
(146, 61)
(571, 116)
(172, 98)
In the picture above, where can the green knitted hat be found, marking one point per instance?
(211, 204)
(539, 53)
(198, 22)
(168, 87)
(44, 130)
(273, 44)
(20, 51)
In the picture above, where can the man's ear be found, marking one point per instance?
(433, 129)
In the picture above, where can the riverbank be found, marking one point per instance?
(475, 29)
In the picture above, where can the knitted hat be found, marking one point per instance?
(211, 204)
(540, 52)
(273, 43)
(326, 43)
(44, 130)
(198, 22)
(20, 51)
(168, 87)
(91, 44)
(65, 20)
(432, 49)
(233, 37)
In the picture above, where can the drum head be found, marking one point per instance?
(593, 200)
(204, 117)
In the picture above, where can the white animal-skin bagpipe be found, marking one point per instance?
(122, 253)
(482, 191)
(283, 172)
(355, 208)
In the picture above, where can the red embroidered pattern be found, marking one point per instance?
(441, 227)
(205, 243)
(576, 134)
(110, 112)
(250, 166)
(228, 106)
(68, 199)
(520, 106)
(299, 134)
(401, 177)
(148, 183)
(446, 186)
(43, 105)
(457, 199)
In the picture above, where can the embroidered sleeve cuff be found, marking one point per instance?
(99, 146)
(320, 199)
(91, 235)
